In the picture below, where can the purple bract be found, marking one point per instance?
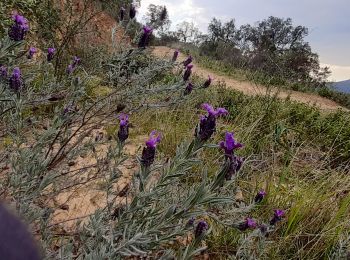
(16, 79)
(202, 226)
(19, 29)
(229, 145)
(50, 54)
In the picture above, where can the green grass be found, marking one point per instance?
(295, 152)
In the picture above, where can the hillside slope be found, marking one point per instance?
(253, 89)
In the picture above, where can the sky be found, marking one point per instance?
(327, 20)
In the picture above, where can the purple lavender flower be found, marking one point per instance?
(260, 196)
(176, 54)
(190, 222)
(263, 229)
(50, 54)
(235, 164)
(149, 151)
(3, 72)
(249, 223)
(121, 14)
(229, 145)
(188, 89)
(132, 12)
(16, 80)
(277, 216)
(123, 132)
(70, 69)
(207, 125)
(202, 226)
(147, 31)
(207, 82)
(188, 72)
(19, 29)
(76, 61)
(31, 52)
(187, 61)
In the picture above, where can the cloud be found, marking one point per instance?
(339, 73)
(179, 11)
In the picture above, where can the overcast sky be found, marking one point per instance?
(328, 21)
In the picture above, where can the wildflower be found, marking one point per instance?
(188, 72)
(76, 61)
(16, 79)
(147, 31)
(176, 54)
(207, 125)
(19, 29)
(122, 14)
(278, 215)
(229, 145)
(249, 223)
(132, 12)
(50, 54)
(123, 132)
(235, 164)
(263, 229)
(163, 14)
(69, 109)
(149, 151)
(202, 226)
(188, 89)
(260, 196)
(31, 52)
(190, 222)
(3, 72)
(187, 61)
(207, 82)
(70, 69)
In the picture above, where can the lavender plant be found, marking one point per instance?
(50, 128)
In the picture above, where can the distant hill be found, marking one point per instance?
(341, 86)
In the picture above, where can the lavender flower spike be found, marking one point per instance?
(260, 196)
(229, 145)
(76, 61)
(235, 164)
(50, 54)
(3, 72)
(132, 12)
(123, 132)
(31, 52)
(70, 69)
(188, 72)
(207, 125)
(207, 82)
(249, 223)
(16, 80)
(278, 215)
(188, 89)
(202, 226)
(121, 14)
(187, 61)
(147, 31)
(176, 54)
(149, 152)
(19, 29)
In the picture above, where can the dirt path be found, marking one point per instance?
(250, 88)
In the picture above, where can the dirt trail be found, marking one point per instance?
(250, 88)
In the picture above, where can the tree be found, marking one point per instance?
(187, 32)
(158, 18)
